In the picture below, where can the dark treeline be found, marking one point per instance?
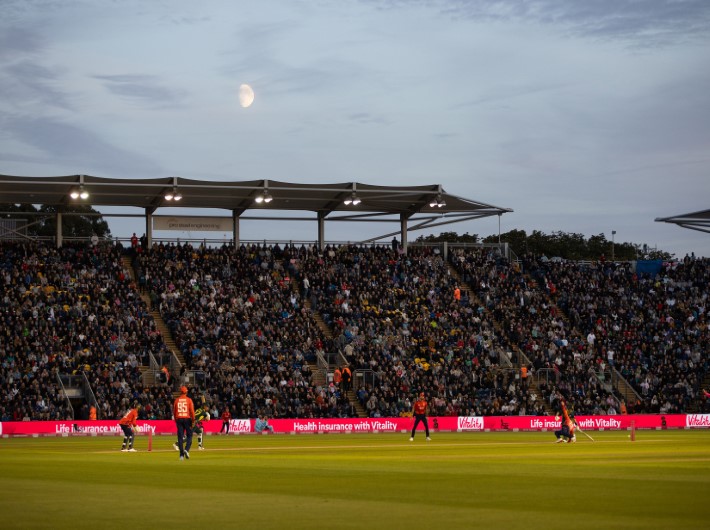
(562, 244)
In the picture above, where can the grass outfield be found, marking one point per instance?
(458, 480)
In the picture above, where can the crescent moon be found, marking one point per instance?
(246, 95)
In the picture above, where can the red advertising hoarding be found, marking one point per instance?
(363, 425)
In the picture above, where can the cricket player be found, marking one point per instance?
(198, 428)
(566, 432)
(419, 410)
(184, 414)
(128, 424)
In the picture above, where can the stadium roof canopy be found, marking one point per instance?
(419, 206)
(695, 221)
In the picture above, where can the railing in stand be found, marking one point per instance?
(505, 359)
(322, 365)
(546, 375)
(175, 368)
(623, 386)
(64, 391)
(153, 368)
(89, 394)
(363, 377)
(197, 379)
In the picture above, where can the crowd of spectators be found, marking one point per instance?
(240, 322)
(403, 319)
(582, 325)
(552, 350)
(652, 328)
(70, 311)
(244, 319)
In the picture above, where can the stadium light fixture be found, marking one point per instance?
(173, 195)
(352, 199)
(264, 196)
(79, 193)
(437, 202)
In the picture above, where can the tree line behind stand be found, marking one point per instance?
(558, 244)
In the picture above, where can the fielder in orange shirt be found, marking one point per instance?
(128, 424)
(184, 415)
(419, 410)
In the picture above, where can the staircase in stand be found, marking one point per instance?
(623, 387)
(359, 409)
(325, 329)
(149, 378)
(319, 378)
(533, 284)
(473, 299)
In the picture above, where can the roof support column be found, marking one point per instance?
(59, 237)
(235, 228)
(321, 230)
(149, 227)
(403, 231)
